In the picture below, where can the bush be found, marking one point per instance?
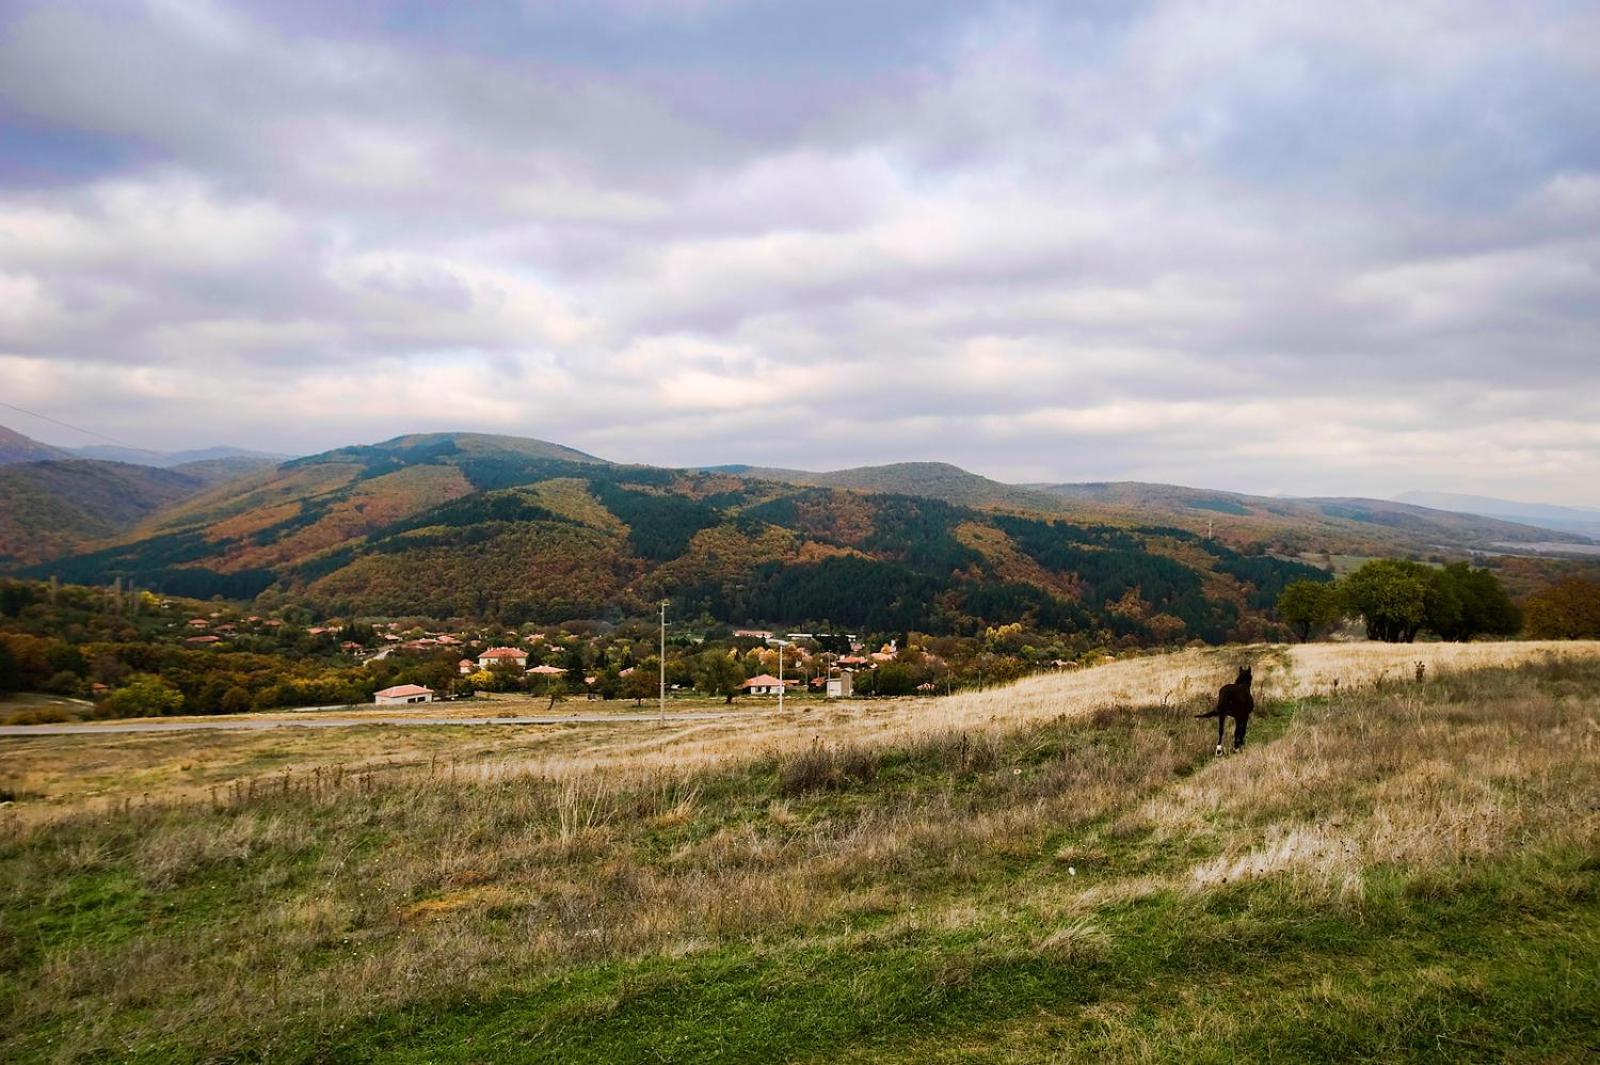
(144, 696)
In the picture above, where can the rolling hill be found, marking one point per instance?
(53, 507)
(473, 525)
(1300, 525)
(14, 447)
(1584, 521)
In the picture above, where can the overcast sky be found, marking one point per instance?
(1350, 248)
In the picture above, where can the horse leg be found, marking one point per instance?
(1240, 723)
(1222, 723)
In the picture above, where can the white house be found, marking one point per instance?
(766, 684)
(503, 657)
(403, 693)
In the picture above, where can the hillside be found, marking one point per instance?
(14, 447)
(1301, 525)
(1288, 526)
(469, 525)
(933, 480)
(1056, 871)
(51, 508)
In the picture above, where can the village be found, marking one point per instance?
(599, 661)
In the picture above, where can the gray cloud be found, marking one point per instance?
(1351, 249)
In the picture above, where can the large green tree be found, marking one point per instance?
(1391, 595)
(1307, 606)
(716, 673)
(1398, 599)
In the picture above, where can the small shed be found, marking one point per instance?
(402, 694)
(840, 687)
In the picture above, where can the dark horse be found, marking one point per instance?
(1233, 700)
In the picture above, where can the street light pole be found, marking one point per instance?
(780, 678)
(662, 712)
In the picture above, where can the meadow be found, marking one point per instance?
(1401, 865)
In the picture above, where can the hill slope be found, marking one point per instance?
(1389, 873)
(1348, 525)
(1584, 521)
(14, 447)
(467, 525)
(51, 508)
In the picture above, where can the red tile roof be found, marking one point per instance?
(404, 689)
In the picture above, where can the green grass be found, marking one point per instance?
(275, 929)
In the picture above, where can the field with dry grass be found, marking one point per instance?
(1397, 867)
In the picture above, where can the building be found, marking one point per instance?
(465, 667)
(503, 658)
(840, 687)
(402, 694)
(765, 684)
(547, 671)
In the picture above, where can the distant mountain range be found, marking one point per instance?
(1584, 521)
(467, 524)
(14, 447)
(476, 525)
(55, 500)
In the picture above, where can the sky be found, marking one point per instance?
(1310, 248)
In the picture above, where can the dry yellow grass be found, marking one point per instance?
(61, 774)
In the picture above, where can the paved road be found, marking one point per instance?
(257, 724)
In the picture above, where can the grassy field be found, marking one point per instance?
(1395, 869)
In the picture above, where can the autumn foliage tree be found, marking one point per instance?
(1566, 610)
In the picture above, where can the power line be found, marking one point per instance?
(68, 425)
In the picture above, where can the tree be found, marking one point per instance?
(556, 688)
(643, 682)
(893, 678)
(1391, 595)
(236, 700)
(1472, 602)
(718, 674)
(144, 696)
(1306, 606)
(1567, 610)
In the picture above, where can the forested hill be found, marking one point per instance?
(470, 525)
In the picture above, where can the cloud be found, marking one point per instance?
(1347, 249)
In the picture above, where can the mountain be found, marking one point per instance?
(934, 480)
(473, 525)
(1584, 521)
(171, 459)
(14, 447)
(53, 507)
(1297, 525)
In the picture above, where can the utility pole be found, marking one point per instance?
(781, 685)
(663, 710)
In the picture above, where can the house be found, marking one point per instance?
(503, 658)
(765, 684)
(853, 660)
(402, 694)
(840, 687)
(547, 671)
(203, 641)
(199, 623)
(465, 666)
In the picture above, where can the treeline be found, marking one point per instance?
(1399, 600)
